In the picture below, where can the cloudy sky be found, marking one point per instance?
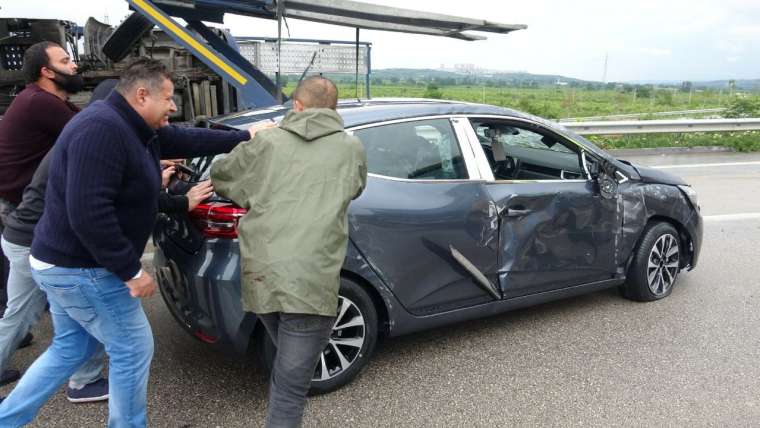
(644, 40)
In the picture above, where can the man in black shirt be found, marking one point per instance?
(28, 130)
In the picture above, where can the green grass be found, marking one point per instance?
(565, 102)
(555, 103)
(748, 141)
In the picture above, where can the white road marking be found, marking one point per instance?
(706, 165)
(731, 217)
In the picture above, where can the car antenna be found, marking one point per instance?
(308, 67)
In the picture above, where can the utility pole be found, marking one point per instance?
(604, 76)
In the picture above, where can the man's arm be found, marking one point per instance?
(169, 204)
(235, 176)
(361, 158)
(177, 142)
(95, 168)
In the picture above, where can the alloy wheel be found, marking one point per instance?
(663, 264)
(345, 344)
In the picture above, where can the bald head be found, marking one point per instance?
(316, 92)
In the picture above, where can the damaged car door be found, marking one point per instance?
(426, 222)
(557, 228)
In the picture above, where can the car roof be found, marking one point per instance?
(361, 112)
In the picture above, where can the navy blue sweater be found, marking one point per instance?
(102, 193)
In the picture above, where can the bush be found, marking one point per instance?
(743, 107)
(664, 98)
(432, 91)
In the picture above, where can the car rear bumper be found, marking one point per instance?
(202, 291)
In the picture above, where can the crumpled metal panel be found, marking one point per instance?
(405, 230)
(357, 266)
(642, 201)
(567, 237)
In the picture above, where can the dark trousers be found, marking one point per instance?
(300, 339)
(4, 271)
(5, 266)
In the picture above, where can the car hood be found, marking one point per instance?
(652, 175)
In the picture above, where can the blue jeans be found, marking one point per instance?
(88, 306)
(26, 303)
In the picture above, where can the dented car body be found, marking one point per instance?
(469, 211)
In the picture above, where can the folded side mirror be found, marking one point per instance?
(591, 166)
(593, 169)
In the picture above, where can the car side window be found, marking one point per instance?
(423, 150)
(517, 153)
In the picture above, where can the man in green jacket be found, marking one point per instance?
(296, 181)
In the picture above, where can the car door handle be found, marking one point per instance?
(512, 212)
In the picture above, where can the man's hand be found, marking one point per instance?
(260, 126)
(165, 163)
(199, 193)
(143, 286)
(166, 175)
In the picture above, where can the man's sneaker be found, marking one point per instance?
(9, 376)
(96, 391)
(26, 341)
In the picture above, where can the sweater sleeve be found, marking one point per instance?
(95, 168)
(178, 142)
(169, 204)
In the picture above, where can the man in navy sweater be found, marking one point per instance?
(100, 208)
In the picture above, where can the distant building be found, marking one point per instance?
(466, 68)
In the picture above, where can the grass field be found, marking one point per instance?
(567, 102)
(563, 102)
(748, 141)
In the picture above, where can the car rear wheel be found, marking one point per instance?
(351, 344)
(656, 264)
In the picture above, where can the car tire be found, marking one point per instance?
(359, 303)
(121, 42)
(656, 264)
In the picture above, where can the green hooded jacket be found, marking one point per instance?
(296, 182)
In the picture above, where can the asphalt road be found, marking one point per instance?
(596, 360)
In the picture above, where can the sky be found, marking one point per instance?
(645, 40)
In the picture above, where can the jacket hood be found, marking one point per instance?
(312, 123)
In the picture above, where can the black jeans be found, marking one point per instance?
(300, 339)
(5, 209)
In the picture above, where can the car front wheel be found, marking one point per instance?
(351, 344)
(656, 263)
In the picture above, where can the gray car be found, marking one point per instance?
(470, 210)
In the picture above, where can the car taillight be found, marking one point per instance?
(217, 219)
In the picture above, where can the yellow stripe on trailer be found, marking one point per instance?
(190, 40)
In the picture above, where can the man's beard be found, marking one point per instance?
(71, 83)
